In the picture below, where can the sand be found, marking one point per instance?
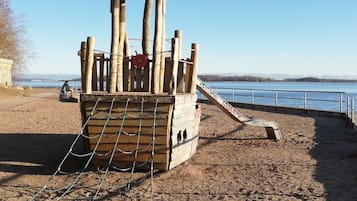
(316, 160)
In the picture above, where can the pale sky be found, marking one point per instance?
(303, 37)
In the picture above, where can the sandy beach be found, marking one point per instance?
(316, 160)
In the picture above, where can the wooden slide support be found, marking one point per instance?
(271, 127)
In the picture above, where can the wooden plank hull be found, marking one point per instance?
(124, 124)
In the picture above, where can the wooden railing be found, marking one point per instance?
(179, 75)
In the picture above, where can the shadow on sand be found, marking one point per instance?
(32, 153)
(336, 155)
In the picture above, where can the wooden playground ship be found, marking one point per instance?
(142, 107)
(138, 112)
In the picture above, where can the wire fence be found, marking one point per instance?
(309, 100)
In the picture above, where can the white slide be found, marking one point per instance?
(271, 127)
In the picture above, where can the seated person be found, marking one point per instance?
(66, 91)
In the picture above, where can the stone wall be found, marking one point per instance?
(5, 72)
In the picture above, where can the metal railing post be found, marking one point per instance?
(232, 95)
(352, 109)
(341, 102)
(305, 98)
(253, 97)
(276, 98)
(347, 105)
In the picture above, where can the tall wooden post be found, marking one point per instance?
(194, 57)
(126, 46)
(180, 77)
(95, 73)
(89, 64)
(101, 72)
(121, 46)
(175, 61)
(114, 46)
(107, 70)
(146, 27)
(83, 63)
(157, 48)
(178, 34)
(163, 42)
(188, 76)
(146, 44)
(126, 70)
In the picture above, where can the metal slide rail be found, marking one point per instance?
(271, 127)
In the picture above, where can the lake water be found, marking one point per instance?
(348, 87)
(46, 80)
(311, 95)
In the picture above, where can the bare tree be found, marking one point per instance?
(12, 42)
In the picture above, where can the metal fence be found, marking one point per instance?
(315, 100)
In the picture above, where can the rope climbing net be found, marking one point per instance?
(88, 183)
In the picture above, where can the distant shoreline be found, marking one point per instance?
(206, 78)
(220, 78)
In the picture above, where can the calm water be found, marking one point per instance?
(46, 84)
(350, 88)
(249, 92)
(46, 80)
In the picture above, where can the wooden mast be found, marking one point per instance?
(146, 44)
(83, 54)
(89, 64)
(146, 28)
(194, 57)
(157, 48)
(163, 41)
(114, 45)
(126, 46)
(175, 61)
(121, 45)
(180, 72)
(178, 34)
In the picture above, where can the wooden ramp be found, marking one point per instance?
(271, 127)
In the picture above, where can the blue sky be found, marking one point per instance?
(295, 37)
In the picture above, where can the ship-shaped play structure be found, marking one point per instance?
(144, 105)
(139, 112)
(138, 124)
